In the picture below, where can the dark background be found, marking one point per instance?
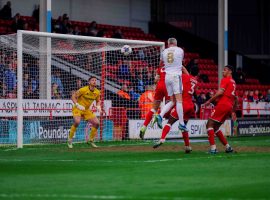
(195, 24)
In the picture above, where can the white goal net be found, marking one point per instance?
(40, 71)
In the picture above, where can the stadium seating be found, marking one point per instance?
(206, 66)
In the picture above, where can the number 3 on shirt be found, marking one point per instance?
(191, 91)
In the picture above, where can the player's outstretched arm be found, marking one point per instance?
(213, 98)
(184, 70)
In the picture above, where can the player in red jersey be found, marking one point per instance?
(189, 84)
(223, 109)
(160, 93)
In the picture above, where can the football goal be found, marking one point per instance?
(40, 71)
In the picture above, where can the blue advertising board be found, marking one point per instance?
(253, 127)
(49, 131)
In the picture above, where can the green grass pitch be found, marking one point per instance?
(133, 171)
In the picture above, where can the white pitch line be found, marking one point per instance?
(11, 149)
(107, 146)
(112, 197)
(61, 196)
(127, 161)
(139, 144)
(74, 196)
(162, 160)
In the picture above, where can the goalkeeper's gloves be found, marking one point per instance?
(99, 109)
(80, 107)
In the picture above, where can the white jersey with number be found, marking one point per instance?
(172, 58)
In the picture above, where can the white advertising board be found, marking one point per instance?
(253, 108)
(197, 128)
(43, 107)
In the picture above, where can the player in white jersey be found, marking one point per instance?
(172, 58)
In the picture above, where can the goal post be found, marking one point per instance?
(19, 90)
(58, 65)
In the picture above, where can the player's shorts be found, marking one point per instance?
(188, 109)
(221, 112)
(173, 84)
(85, 114)
(161, 92)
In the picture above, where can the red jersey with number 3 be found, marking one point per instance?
(229, 87)
(189, 83)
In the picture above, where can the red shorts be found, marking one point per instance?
(161, 92)
(189, 111)
(221, 112)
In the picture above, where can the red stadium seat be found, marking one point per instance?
(112, 68)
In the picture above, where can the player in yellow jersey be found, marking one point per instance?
(83, 99)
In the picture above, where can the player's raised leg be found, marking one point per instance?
(165, 109)
(149, 117)
(158, 118)
(180, 113)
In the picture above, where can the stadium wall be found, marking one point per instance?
(248, 22)
(134, 13)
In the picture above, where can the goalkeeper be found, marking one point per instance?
(83, 99)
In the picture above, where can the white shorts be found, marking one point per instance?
(173, 84)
